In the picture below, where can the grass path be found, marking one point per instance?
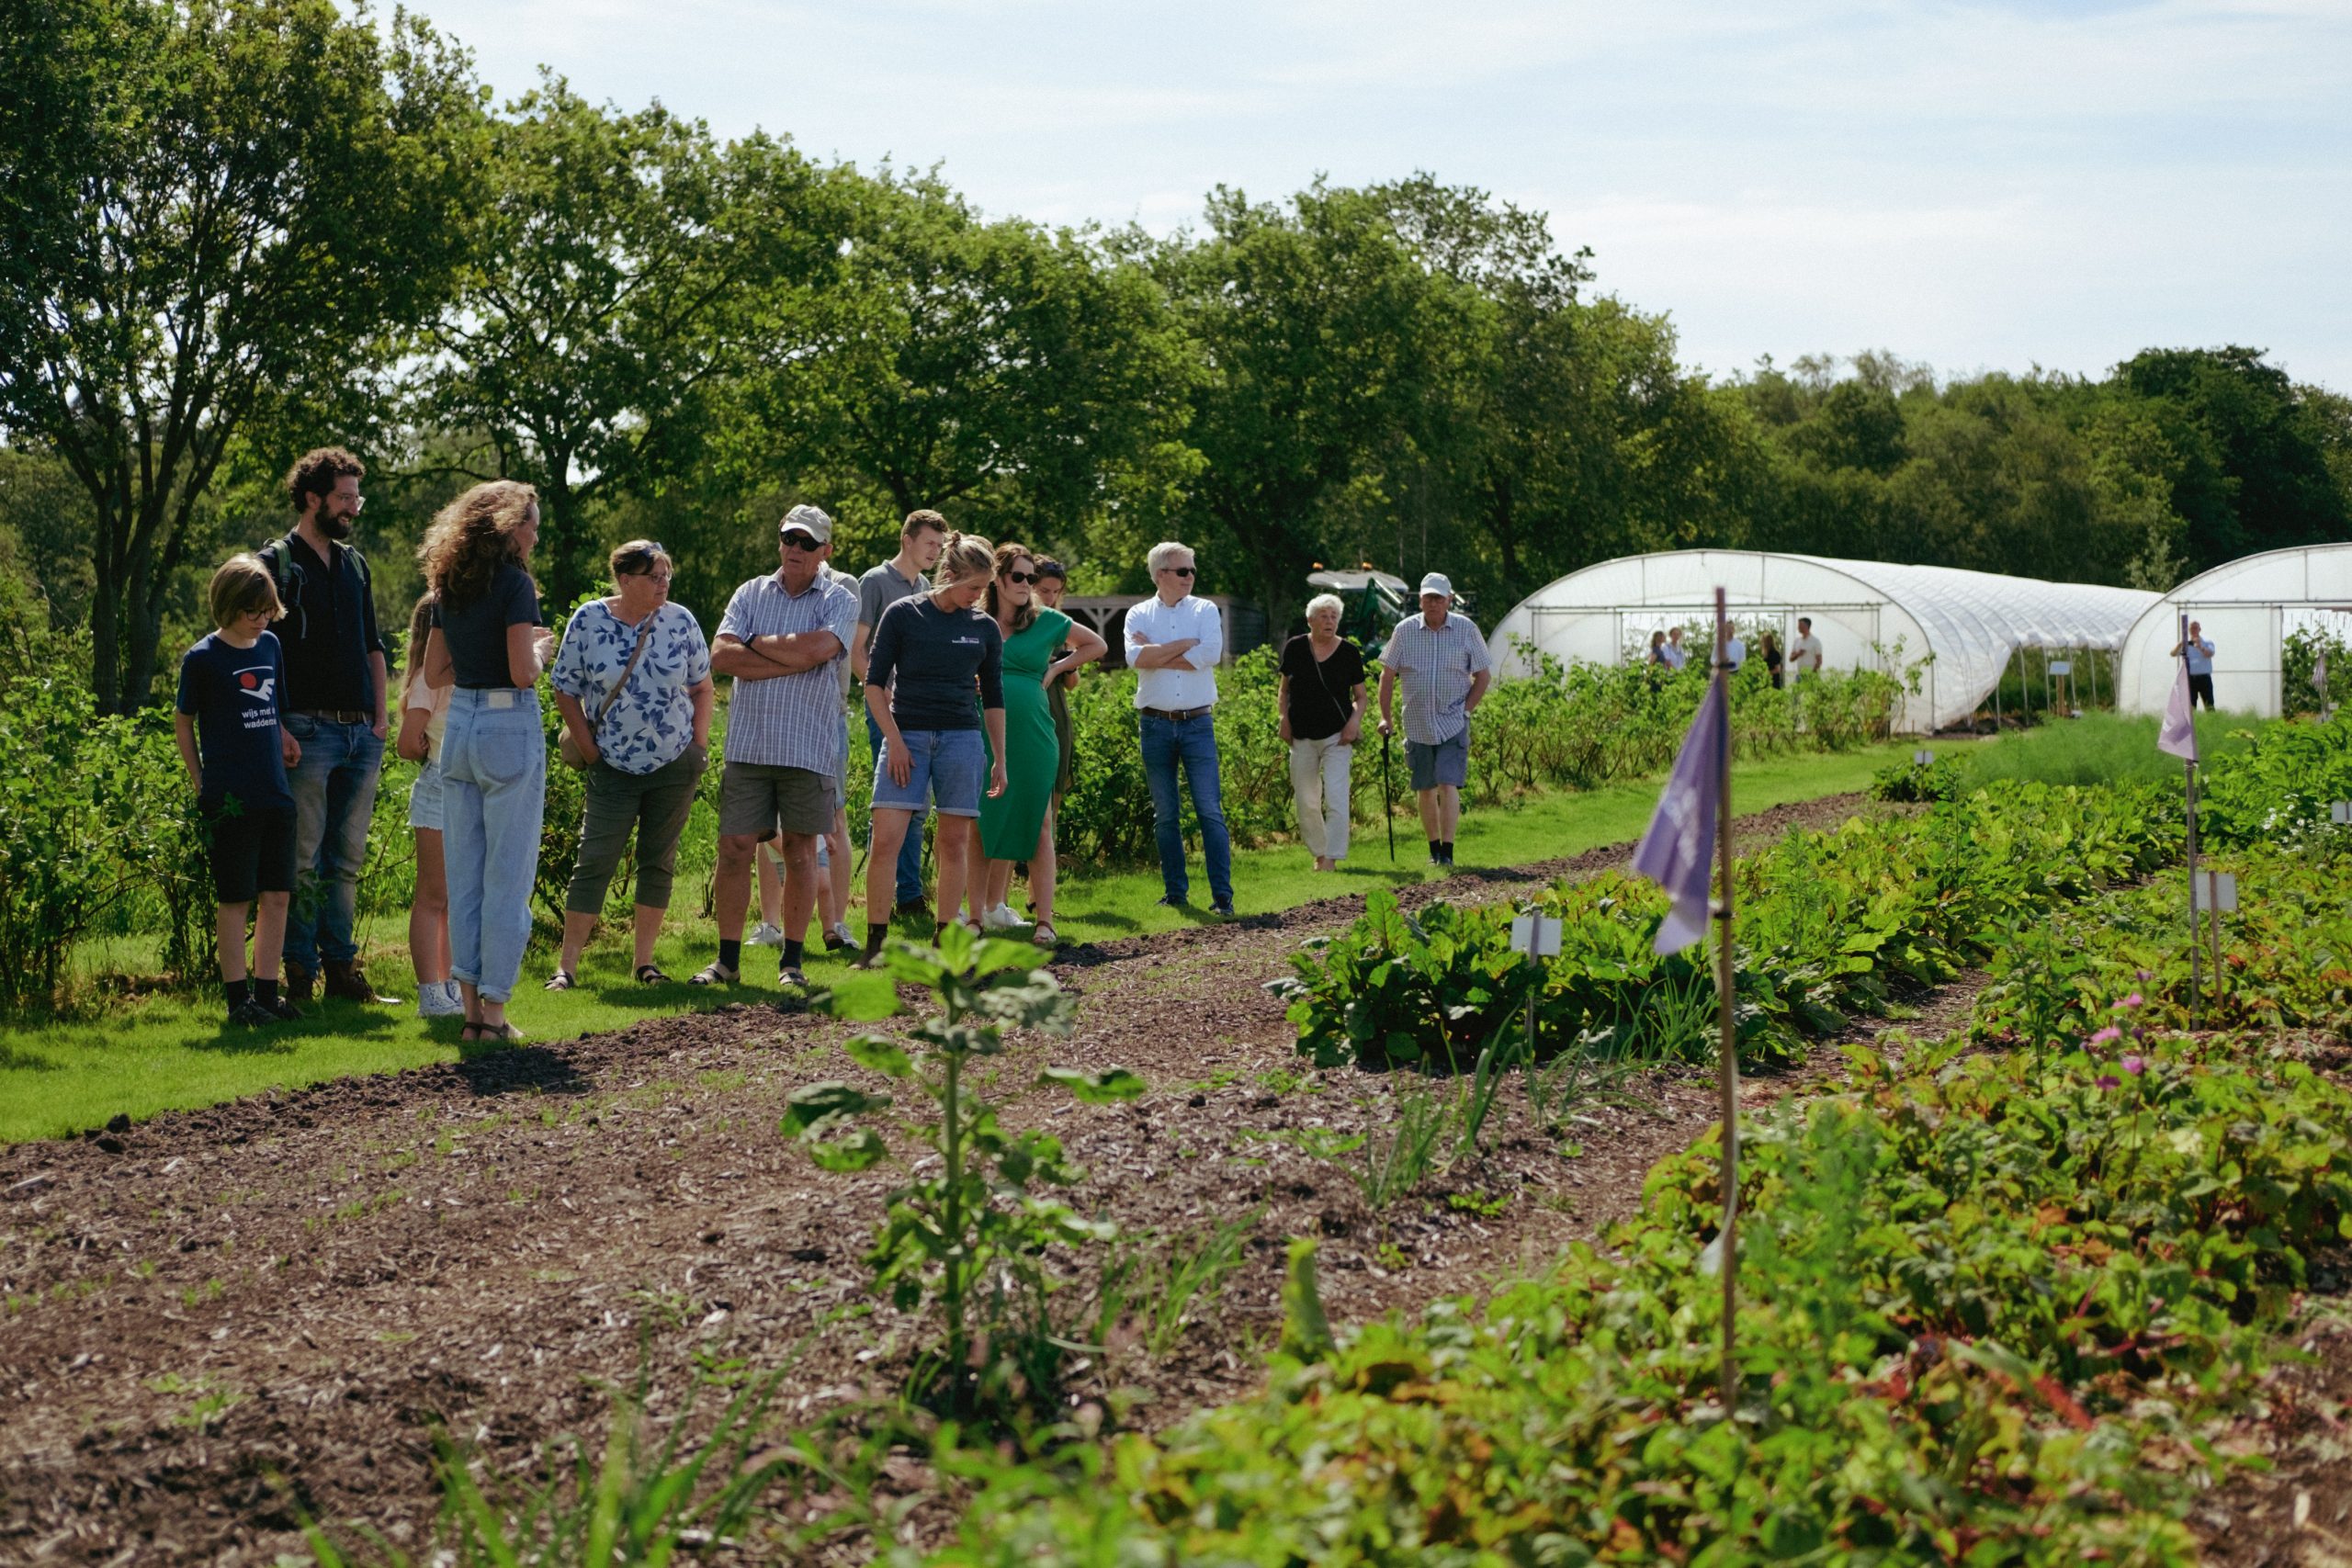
(169, 1052)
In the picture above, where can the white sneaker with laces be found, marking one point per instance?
(1000, 919)
(439, 1000)
(765, 935)
(841, 930)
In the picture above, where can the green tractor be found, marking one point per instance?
(1372, 603)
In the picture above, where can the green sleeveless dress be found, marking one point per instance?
(1010, 824)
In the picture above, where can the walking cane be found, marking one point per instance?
(1388, 796)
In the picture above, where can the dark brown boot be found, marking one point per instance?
(346, 983)
(299, 981)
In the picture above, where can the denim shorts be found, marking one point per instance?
(425, 796)
(951, 769)
(1447, 763)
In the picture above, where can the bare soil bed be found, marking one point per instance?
(221, 1320)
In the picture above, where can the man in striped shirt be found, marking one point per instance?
(783, 638)
(1440, 660)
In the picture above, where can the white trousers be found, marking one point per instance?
(1319, 783)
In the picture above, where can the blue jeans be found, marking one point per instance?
(909, 870)
(493, 796)
(1191, 743)
(334, 799)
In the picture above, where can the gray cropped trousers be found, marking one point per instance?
(653, 806)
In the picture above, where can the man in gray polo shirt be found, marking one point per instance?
(782, 638)
(1440, 659)
(879, 588)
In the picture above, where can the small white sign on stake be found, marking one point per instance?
(1922, 758)
(2216, 891)
(1536, 935)
(2061, 667)
(2340, 811)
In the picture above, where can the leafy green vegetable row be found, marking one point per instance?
(1825, 920)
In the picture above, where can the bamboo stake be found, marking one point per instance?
(1729, 1072)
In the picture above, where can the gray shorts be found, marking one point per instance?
(1447, 763)
(755, 799)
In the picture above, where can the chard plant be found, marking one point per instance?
(964, 1234)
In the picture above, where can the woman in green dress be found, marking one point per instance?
(1019, 824)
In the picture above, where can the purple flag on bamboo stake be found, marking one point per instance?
(1679, 850)
(2178, 735)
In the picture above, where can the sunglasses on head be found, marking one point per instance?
(1050, 569)
(801, 542)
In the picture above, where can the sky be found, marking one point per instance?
(1975, 187)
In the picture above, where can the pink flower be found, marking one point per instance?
(2108, 1080)
(2133, 1000)
(2104, 1035)
(2143, 975)
(2135, 1066)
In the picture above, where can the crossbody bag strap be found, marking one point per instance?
(627, 670)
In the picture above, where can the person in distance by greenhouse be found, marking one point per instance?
(1321, 701)
(782, 639)
(931, 654)
(1440, 660)
(335, 702)
(2200, 666)
(1768, 648)
(633, 683)
(234, 741)
(1676, 655)
(1174, 641)
(488, 643)
(1805, 653)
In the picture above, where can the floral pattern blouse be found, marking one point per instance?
(653, 722)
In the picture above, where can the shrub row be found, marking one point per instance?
(1826, 920)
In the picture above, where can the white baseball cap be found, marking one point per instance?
(1435, 582)
(810, 518)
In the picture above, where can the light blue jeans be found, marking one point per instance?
(493, 797)
(334, 798)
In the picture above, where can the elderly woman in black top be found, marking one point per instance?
(487, 642)
(1321, 702)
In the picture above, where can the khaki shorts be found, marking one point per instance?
(755, 799)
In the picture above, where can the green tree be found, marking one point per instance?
(255, 194)
(623, 269)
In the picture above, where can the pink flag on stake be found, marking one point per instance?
(2179, 734)
(1677, 851)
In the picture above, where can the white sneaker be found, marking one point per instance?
(440, 999)
(1001, 918)
(765, 935)
(849, 937)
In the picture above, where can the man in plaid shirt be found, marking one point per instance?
(783, 638)
(1440, 660)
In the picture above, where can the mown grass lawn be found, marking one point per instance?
(164, 1052)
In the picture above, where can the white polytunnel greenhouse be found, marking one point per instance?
(1868, 614)
(2247, 609)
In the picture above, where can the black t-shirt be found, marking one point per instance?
(329, 630)
(929, 658)
(476, 632)
(232, 694)
(1322, 693)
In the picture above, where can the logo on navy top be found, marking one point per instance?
(259, 683)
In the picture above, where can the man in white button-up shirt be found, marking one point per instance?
(1174, 641)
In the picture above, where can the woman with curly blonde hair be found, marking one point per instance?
(488, 644)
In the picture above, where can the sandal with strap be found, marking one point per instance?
(483, 1033)
(562, 980)
(650, 974)
(1045, 935)
(714, 974)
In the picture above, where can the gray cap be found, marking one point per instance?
(813, 519)
(1435, 582)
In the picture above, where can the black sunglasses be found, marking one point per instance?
(800, 542)
(1021, 576)
(1179, 570)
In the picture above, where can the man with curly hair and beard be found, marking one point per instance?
(336, 707)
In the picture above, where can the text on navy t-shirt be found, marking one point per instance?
(930, 659)
(233, 694)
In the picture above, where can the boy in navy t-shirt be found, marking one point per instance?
(237, 753)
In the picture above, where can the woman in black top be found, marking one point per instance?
(1321, 702)
(488, 643)
(1769, 649)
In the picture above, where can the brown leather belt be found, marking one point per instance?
(339, 716)
(1177, 716)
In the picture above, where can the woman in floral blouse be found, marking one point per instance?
(646, 754)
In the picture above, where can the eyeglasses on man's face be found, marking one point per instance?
(801, 542)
